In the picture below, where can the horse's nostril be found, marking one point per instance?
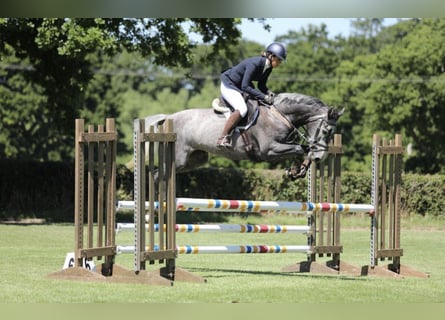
(317, 160)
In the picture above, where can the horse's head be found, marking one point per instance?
(312, 114)
(320, 129)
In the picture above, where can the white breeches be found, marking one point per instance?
(235, 99)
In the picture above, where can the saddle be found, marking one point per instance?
(221, 106)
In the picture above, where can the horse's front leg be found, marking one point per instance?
(282, 150)
(299, 170)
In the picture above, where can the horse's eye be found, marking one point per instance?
(328, 132)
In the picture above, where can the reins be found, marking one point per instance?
(291, 137)
(301, 132)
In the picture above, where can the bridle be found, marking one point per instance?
(317, 142)
(297, 135)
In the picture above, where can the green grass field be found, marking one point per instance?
(31, 252)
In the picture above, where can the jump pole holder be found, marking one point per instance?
(95, 151)
(161, 188)
(324, 185)
(100, 191)
(385, 219)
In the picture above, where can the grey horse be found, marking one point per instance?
(296, 125)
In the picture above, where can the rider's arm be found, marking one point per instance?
(262, 83)
(247, 84)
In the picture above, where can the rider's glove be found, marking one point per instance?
(268, 99)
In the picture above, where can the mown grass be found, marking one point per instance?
(30, 253)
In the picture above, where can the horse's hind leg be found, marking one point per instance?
(194, 160)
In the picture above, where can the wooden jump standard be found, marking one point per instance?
(385, 219)
(101, 161)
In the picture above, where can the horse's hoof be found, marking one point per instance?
(293, 174)
(301, 173)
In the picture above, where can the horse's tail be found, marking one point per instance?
(155, 120)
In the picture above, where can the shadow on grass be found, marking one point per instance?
(210, 273)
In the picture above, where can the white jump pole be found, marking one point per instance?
(221, 205)
(240, 249)
(237, 228)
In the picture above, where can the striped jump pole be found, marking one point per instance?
(223, 205)
(236, 228)
(222, 249)
(193, 204)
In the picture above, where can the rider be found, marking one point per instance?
(238, 80)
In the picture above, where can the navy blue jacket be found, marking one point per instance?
(240, 77)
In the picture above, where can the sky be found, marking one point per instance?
(280, 26)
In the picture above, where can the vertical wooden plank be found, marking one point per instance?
(312, 220)
(171, 189)
(139, 194)
(391, 212)
(108, 186)
(90, 189)
(383, 199)
(161, 191)
(337, 187)
(78, 192)
(375, 200)
(171, 197)
(152, 189)
(328, 198)
(397, 195)
(100, 191)
(111, 194)
(321, 214)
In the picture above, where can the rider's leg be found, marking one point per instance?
(224, 140)
(236, 100)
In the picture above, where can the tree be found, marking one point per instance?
(411, 99)
(312, 60)
(56, 57)
(399, 89)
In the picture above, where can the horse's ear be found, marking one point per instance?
(341, 112)
(334, 113)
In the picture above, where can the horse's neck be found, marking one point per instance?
(299, 115)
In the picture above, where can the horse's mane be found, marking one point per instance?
(299, 99)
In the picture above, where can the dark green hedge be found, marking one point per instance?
(36, 190)
(46, 190)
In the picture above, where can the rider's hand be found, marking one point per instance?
(268, 99)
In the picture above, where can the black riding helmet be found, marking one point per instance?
(277, 49)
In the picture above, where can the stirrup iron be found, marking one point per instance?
(224, 142)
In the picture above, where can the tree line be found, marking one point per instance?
(389, 79)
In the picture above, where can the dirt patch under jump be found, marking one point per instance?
(120, 275)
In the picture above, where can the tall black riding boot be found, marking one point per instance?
(225, 141)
